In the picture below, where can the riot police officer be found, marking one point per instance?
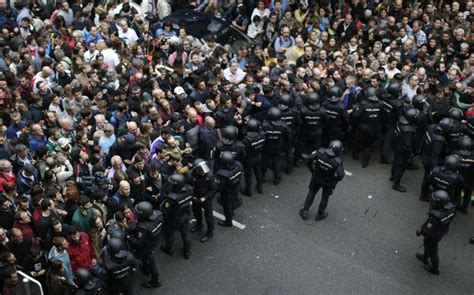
(456, 131)
(276, 136)
(393, 109)
(447, 178)
(120, 266)
(204, 189)
(465, 156)
(312, 122)
(228, 181)
(230, 143)
(433, 152)
(336, 117)
(424, 119)
(253, 141)
(403, 142)
(175, 209)
(367, 116)
(145, 240)
(327, 170)
(289, 115)
(434, 228)
(88, 284)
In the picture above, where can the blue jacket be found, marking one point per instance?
(35, 142)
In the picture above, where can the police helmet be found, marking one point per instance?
(451, 162)
(334, 148)
(439, 199)
(465, 143)
(144, 210)
(201, 166)
(229, 133)
(115, 248)
(253, 125)
(83, 279)
(371, 94)
(176, 181)
(335, 91)
(419, 100)
(313, 100)
(284, 102)
(274, 114)
(411, 114)
(444, 125)
(455, 114)
(226, 158)
(394, 88)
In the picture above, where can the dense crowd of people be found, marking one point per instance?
(112, 126)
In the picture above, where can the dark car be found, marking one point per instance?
(200, 25)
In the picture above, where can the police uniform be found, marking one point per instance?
(175, 208)
(290, 117)
(119, 272)
(465, 155)
(432, 155)
(402, 143)
(327, 170)
(145, 241)
(312, 123)
(276, 136)
(450, 181)
(253, 142)
(228, 183)
(367, 116)
(336, 121)
(434, 228)
(393, 109)
(204, 190)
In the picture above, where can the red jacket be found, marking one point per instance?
(26, 229)
(5, 177)
(81, 254)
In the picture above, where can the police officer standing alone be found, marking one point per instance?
(435, 227)
(327, 170)
(175, 208)
(145, 240)
(228, 182)
(253, 141)
(120, 266)
(204, 189)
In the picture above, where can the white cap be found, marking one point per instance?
(179, 90)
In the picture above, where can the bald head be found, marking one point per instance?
(210, 122)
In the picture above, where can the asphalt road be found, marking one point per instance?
(366, 245)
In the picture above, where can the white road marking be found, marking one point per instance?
(348, 173)
(234, 223)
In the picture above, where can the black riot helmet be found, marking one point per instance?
(394, 89)
(439, 199)
(229, 134)
(144, 210)
(83, 279)
(411, 114)
(335, 91)
(274, 114)
(177, 182)
(465, 143)
(201, 167)
(444, 126)
(334, 94)
(284, 102)
(451, 162)
(455, 114)
(371, 94)
(253, 125)
(419, 100)
(334, 148)
(312, 101)
(115, 248)
(226, 158)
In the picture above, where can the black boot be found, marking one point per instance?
(225, 223)
(246, 192)
(321, 216)
(151, 284)
(422, 258)
(196, 227)
(259, 189)
(166, 250)
(206, 237)
(304, 213)
(399, 188)
(432, 270)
